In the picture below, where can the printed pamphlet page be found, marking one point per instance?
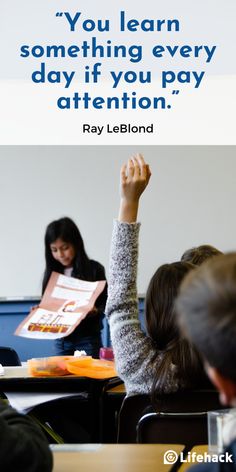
(65, 303)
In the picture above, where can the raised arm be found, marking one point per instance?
(132, 348)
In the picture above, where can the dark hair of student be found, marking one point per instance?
(66, 230)
(206, 308)
(163, 329)
(197, 255)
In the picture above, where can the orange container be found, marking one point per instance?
(54, 366)
(88, 367)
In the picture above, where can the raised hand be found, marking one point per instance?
(134, 178)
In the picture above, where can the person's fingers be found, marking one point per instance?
(123, 173)
(144, 168)
(130, 168)
(136, 167)
(140, 159)
(148, 173)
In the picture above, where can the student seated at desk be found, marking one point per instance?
(23, 446)
(206, 306)
(163, 361)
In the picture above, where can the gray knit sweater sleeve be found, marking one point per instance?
(132, 348)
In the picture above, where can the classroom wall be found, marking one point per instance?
(190, 201)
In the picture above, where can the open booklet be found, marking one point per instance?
(65, 303)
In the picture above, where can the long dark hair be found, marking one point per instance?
(162, 328)
(66, 230)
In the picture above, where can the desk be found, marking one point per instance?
(199, 450)
(117, 390)
(17, 379)
(115, 458)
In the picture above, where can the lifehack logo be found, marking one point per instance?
(171, 457)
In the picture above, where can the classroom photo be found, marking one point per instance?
(118, 308)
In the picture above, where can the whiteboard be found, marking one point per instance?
(190, 201)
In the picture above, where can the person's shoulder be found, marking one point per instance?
(96, 265)
(97, 270)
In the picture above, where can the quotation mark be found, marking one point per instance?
(170, 457)
(175, 92)
(59, 13)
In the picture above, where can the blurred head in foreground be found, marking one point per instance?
(206, 308)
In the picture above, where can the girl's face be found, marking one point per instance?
(63, 252)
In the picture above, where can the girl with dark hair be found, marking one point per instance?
(65, 253)
(162, 361)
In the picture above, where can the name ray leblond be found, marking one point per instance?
(121, 128)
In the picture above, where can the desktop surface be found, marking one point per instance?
(114, 458)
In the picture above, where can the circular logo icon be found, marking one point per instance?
(170, 457)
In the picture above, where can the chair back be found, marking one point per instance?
(185, 401)
(9, 356)
(173, 428)
(132, 409)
